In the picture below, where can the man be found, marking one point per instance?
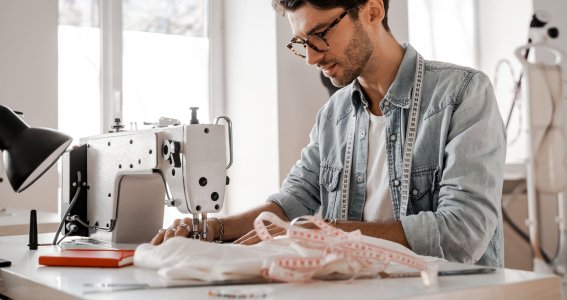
(432, 184)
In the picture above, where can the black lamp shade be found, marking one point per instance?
(28, 152)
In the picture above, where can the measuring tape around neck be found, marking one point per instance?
(409, 143)
(345, 182)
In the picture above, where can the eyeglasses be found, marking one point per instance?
(317, 41)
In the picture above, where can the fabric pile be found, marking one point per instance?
(299, 256)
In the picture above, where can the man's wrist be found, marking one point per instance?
(332, 222)
(218, 235)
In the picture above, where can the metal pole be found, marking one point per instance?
(559, 260)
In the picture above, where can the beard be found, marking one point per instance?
(356, 55)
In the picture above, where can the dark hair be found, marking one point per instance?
(291, 5)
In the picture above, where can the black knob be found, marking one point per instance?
(553, 32)
(215, 196)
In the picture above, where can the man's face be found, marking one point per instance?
(349, 45)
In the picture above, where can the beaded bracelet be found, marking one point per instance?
(241, 293)
(221, 231)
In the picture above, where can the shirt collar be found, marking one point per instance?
(399, 92)
(356, 94)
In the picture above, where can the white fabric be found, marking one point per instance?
(183, 258)
(378, 205)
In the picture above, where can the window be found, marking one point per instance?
(79, 68)
(166, 61)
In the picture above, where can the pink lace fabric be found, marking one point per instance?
(345, 251)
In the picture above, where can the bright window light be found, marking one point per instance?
(444, 30)
(166, 60)
(79, 68)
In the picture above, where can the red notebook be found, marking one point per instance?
(89, 258)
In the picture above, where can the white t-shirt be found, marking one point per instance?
(378, 205)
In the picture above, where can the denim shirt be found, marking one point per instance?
(454, 209)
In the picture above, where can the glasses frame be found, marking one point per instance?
(321, 35)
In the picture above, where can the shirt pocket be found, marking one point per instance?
(423, 194)
(329, 182)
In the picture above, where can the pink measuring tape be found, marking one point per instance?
(332, 247)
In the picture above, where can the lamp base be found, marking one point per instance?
(5, 263)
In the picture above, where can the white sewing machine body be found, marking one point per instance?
(129, 174)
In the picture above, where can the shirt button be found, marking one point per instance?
(415, 192)
(362, 133)
(393, 137)
(359, 178)
(386, 103)
(396, 182)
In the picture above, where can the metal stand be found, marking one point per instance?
(558, 263)
(544, 121)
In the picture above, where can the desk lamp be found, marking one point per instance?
(28, 152)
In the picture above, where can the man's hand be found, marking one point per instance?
(252, 238)
(240, 225)
(184, 228)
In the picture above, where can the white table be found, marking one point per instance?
(17, 221)
(26, 280)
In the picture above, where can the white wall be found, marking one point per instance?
(28, 82)
(503, 26)
(300, 96)
(498, 40)
(398, 20)
(251, 101)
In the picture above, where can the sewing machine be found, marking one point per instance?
(114, 185)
